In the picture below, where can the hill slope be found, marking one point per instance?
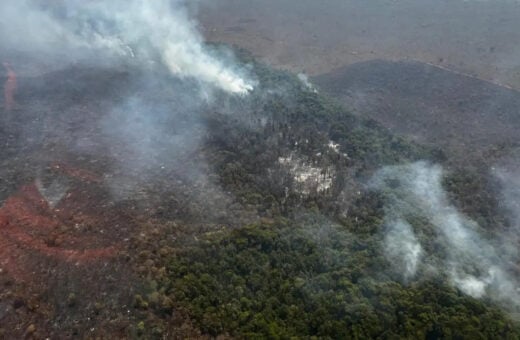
(235, 216)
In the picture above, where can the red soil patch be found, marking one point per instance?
(70, 232)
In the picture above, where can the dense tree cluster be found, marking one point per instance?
(311, 266)
(283, 279)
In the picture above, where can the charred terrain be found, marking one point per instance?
(472, 120)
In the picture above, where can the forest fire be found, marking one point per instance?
(165, 178)
(9, 88)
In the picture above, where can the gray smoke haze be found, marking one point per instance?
(141, 31)
(479, 267)
(143, 144)
(403, 248)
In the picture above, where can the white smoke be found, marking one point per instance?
(403, 248)
(473, 264)
(306, 82)
(142, 30)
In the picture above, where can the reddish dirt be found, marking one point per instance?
(28, 223)
(71, 251)
(53, 250)
(9, 88)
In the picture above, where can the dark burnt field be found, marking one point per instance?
(471, 120)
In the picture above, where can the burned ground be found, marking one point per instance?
(466, 117)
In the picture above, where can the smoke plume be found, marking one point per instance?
(477, 266)
(147, 32)
(403, 248)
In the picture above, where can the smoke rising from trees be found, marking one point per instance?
(478, 266)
